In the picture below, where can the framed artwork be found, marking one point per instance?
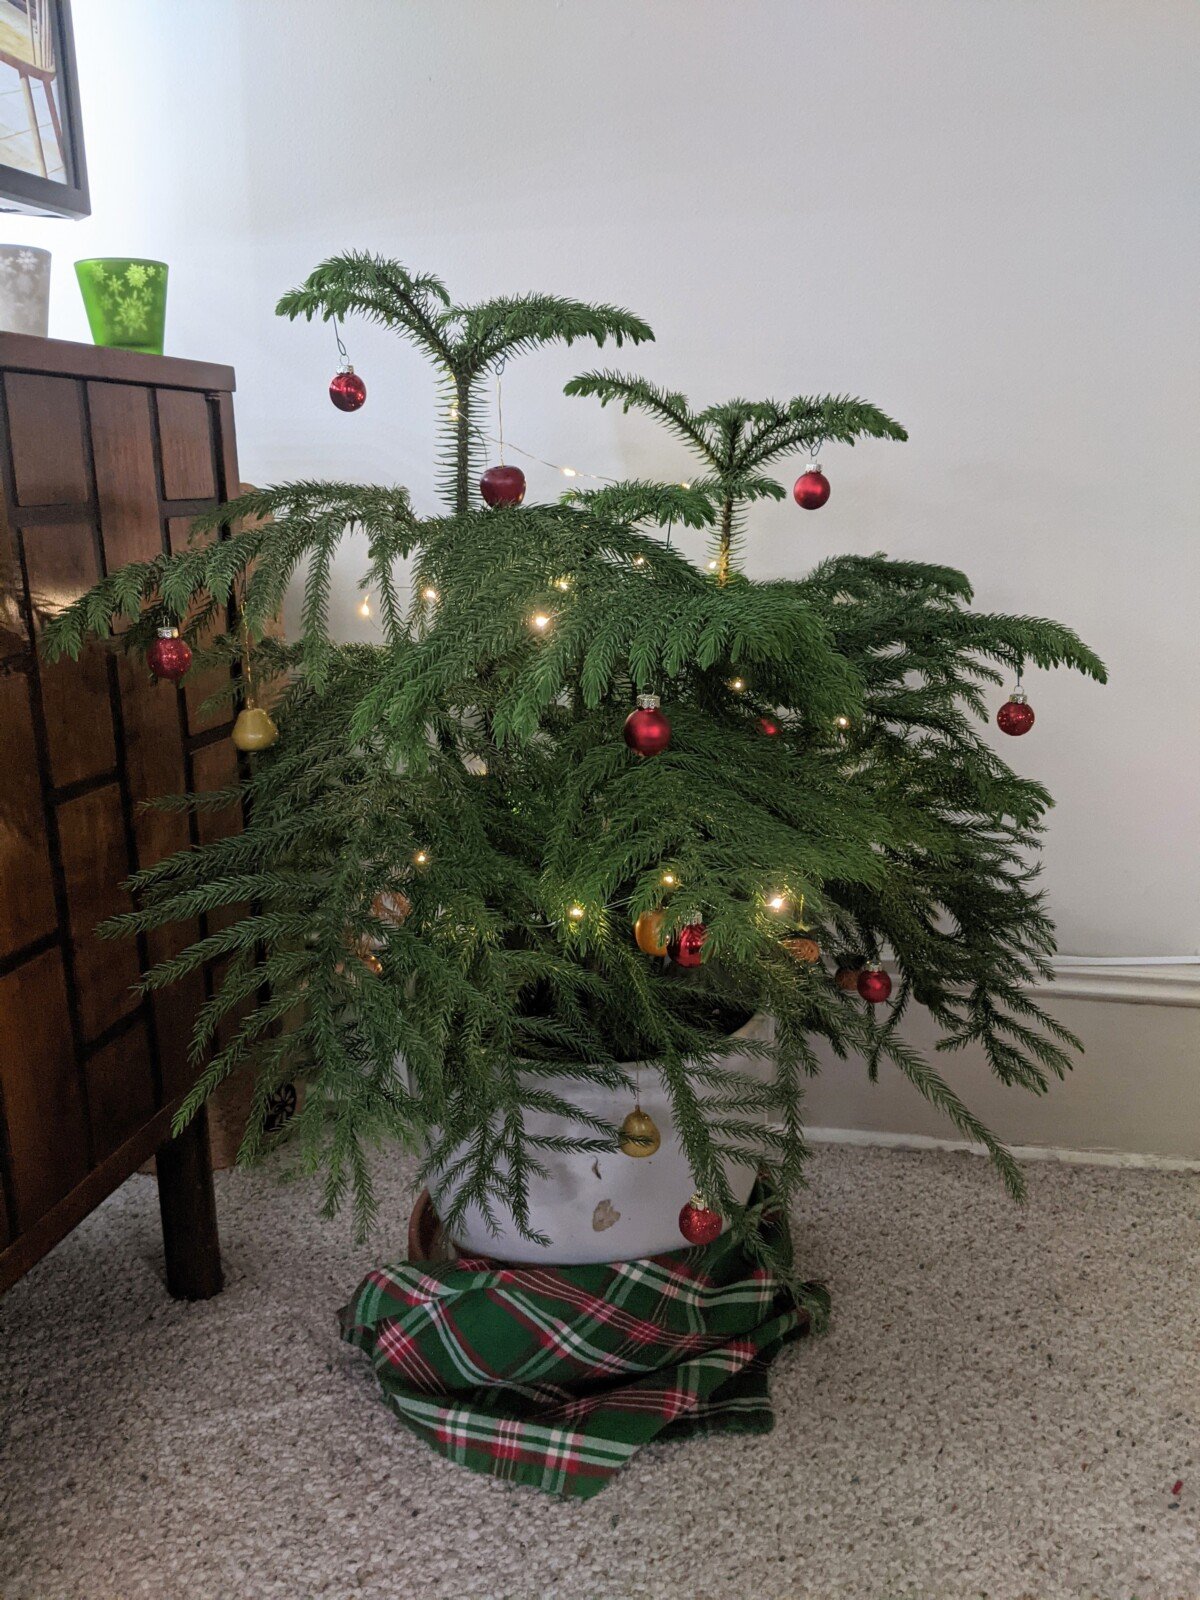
(42, 167)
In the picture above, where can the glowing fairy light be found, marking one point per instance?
(364, 610)
(777, 902)
(421, 858)
(540, 620)
(576, 913)
(668, 880)
(738, 685)
(429, 594)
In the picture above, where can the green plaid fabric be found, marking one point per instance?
(555, 1376)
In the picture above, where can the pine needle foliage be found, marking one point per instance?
(469, 769)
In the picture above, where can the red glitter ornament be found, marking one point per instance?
(767, 726)
(698, 1223)
(503, 486)
(874, 985)
(169, 656)
(646, 730)
(347, 390)
(1015, 716)
(811, 489)
(687, 945)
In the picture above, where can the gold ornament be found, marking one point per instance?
(647, 930)
(639, 1136)
(371, 961)
(802, 948)
(254, 729)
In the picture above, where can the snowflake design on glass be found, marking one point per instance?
(129, 294)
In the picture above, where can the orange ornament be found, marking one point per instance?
(802, 948)
(648, 931)
(846, 978)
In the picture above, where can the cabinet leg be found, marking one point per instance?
(189, 1213)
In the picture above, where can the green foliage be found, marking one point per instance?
(470, 771)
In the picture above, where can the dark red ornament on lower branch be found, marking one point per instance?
(503, 486)
(768, 726)
(687, 947)
(698, 1223)
(1015, 716)
(874, 985)
(347, 390)
(811, 489)
(169, 656)
(646, 730)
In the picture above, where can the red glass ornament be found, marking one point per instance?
(1015, 716)
(646, 730)
(698, 1223)
(811, 489)
(765, 725)
(874, 985)
(169, 656)
(687, 945)
(347, 390)
(503, 486)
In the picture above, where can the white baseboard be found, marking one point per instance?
(1023, 1152)
(1120, 983)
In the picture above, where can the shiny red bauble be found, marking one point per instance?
(169, 656)
(767, 726)
(874, 985)
(811, 489)
(688, 944)
(646, 730)
(347, 390)
(503, 486)
(1015, 716)
(698, 1223)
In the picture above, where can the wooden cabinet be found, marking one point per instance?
(105, 456)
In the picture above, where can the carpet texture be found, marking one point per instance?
(1002, 1408)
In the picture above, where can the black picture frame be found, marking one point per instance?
(21, 190)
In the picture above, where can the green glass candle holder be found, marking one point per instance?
(126, 302)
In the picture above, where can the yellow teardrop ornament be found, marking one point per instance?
(254, 729)
(639, 1136)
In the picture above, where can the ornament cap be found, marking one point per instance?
(648, 702)
(168, 633)
(1018, 697)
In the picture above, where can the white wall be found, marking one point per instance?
(978, 213)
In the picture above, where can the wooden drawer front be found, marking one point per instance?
(45, 427)
(186, 440)
(61, 562)
(27, 909)
(43, 1101)
(95, 864)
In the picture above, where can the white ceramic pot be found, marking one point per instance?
(610, 1207)
(24, 289)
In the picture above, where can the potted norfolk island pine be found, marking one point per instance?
(567, 879)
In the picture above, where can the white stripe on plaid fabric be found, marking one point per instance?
(568, 1339)
(642, 1331)
(556, 1444)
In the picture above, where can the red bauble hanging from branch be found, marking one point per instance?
(347, 390)
(874, 985)
(768, 726)
(169, 656)
(811, 489)
(698, 1223)
(647, 730)
(503, 486)
(1015, 716)
(686, 948)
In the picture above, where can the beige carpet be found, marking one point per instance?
(1002, 1407)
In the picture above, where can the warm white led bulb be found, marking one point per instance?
(668, 880)
(777, 902)
(429, 594)
(569, 472)
(842, 722)
(737, 684)
(562, 583)
(575, 913)
(364, 610)
(712, 566)
(421, 858)
(540, 621)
